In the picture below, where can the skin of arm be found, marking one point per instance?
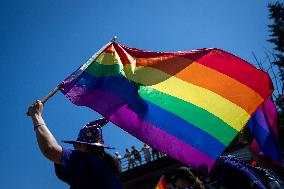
(46, 141)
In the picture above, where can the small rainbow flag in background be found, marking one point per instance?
(189, 105)
(162, 183)
(263, 126)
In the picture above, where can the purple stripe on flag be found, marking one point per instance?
(161, 140)
(263, 125)
(269, 110)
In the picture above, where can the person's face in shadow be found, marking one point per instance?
(181, 184)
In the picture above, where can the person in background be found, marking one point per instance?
(155, 154)
(184, 178)
(88, 166)
(146, 150)
(129, 158)
(117, 159)
(137, 156)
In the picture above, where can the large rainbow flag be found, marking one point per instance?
(187, 104)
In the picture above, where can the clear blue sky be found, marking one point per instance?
(41, 42)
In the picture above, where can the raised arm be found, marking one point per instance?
(46, 141)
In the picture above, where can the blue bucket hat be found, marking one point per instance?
(91, 134)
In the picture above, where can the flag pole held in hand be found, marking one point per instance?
(47, 97)
(50, 94)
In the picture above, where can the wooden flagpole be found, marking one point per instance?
(47, 97)
(51, 93)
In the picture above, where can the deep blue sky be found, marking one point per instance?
(42, 42)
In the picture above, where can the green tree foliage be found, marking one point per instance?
(276, 11)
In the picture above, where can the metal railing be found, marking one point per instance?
(127, 164)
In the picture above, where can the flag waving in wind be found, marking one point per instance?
(263, 126)
(187, 104)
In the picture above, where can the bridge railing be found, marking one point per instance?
(131, 163)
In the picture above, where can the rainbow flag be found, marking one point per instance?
(187, 104)
(263, 126)
(162, 183)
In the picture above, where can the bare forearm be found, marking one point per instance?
(46, 141)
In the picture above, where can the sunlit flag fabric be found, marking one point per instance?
(263, 126)
(187, 104)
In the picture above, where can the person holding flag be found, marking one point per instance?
(86, 167)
